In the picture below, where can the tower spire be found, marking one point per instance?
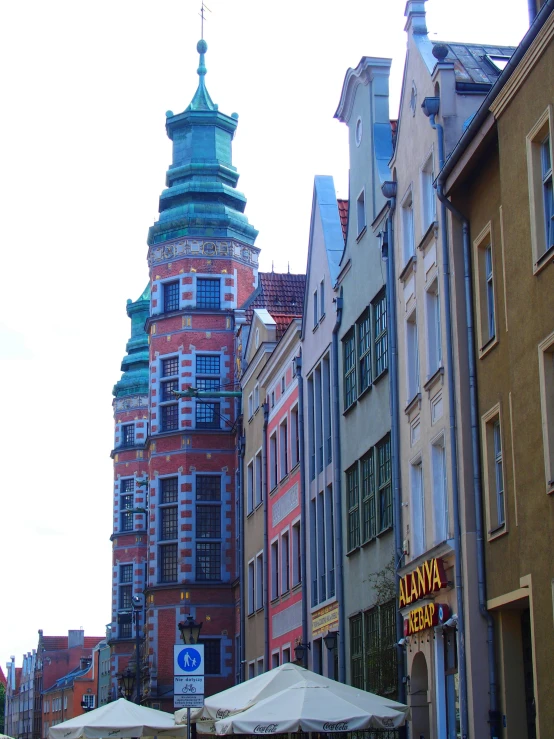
(202, 99)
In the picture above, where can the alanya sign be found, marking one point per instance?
(426, 579)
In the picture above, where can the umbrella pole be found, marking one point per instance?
(188, 723)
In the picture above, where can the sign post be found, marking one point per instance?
(188, 678)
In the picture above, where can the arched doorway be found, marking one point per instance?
(419, 687)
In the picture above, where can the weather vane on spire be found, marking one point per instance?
(203, 17)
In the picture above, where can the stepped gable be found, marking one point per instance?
(281, 294)
(343, 213)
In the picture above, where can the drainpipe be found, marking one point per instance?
(430, 108)
(395, 428)
(494, 714)
(266, 558)
(302, 460)
(339, 546)
(240, 555)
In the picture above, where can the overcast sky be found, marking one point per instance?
(83, 155)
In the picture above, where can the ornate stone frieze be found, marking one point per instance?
(132, 401)
(226, 248)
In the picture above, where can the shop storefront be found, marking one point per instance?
(427, 602)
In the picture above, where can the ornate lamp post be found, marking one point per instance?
(126, 682)
(190, 633)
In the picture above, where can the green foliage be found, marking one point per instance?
(383, 583)
(2, 707)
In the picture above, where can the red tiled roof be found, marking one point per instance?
(53, 643)
(92, 641)
(280, 294)
(283, 322)
(2, 678)
(343, 213)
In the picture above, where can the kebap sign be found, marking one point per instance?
(425, 580)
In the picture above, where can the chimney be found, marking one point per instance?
(75, 638)
(415, 14)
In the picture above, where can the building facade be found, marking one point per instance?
(203, 266)
(365, 418)
(500, 181)
(445, 633)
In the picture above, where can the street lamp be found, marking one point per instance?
(190, 630)
(137, 605)
(301, 651)
(330, 639)
(126, 681)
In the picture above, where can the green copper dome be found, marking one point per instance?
(201, 199)
(135, 364)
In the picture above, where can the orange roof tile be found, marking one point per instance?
(343, 213)
(280, 294)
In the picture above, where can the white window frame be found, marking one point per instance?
(250, 406)
(251, 587)
(275, 569)
(536, 181)
(428, 199)
(361, 217)
(412, 357)
(493, 457)
(485, 290)
(250, 487)
(260, 576)
(434, 334)
(258, 479)
(417, 505)
(440, 490)
(408, 230)
(546, 378)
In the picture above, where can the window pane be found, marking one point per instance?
(208, 383)
(207, 293)
(212, 656)
(207, 364)
(368, 497)
(167, 389)
(208, 487)
(126, 573)
(125, 596)
(364, 351)
(349, 370)
(168, 526)
(171, 296)
(168, 487)
(208, 560)
(170, 417)
(353, 507)
(127, 486)
(384, 482)
(356, 652)
(380, 331)
(168, 563)
(129, 434)
(170, 366)
(208, 521)
(207, 415)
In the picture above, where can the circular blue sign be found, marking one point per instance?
(189, 659)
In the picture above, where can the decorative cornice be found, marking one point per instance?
(212, 248)
(524, 68)
(364, 73)
(130, 402)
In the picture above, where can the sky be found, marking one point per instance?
(83, 156)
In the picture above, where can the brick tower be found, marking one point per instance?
(203, 266)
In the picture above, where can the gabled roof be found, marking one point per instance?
(471, 65)
(343, 214)
(53, 643)
(279, 293)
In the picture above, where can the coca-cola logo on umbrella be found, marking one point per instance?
(267, 729)
(335, 726)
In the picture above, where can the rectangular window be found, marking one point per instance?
(208, 560)
(286, 656)
(433, 315)
(315, 305)
(259, 581)
(207, 414)
(489, 291)
(380, 333)
(168, 522)
(125, 597)
(250, 487)
(125, 573)
(412, 358)
(274, 660)
(273, 460)
(170, 417)
(427, 194)
(485, 287)
(349, 346)
(256, 397)
(381, 650)
(129, 434)
(356, 652)
(546, 376)
(498, 474)
(369, 527)
(208, 487)
(352, 492)
(440, 504)
(364, 350)
(539, 169)
(283, 450)
(493, 471)
(250, 406)
(88, 701)
(408, 239)
(168, 563)
(418, 508)
(207, 364)
(208, 292)
(212, 655)
(285, 566)
(168, 490)
(384, 483)
(208, 521)
(258, 480)
(294, 438)
(360, 213)
(171, 296)
(275, 569)
(126, 504)
(322, 297)
(251, 587)
(296, 555)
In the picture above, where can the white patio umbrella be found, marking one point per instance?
(270, 699)
(309, 706)
(118, 719)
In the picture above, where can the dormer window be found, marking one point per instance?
(208, 293)
(497, 61)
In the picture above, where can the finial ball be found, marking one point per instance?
(202, 47)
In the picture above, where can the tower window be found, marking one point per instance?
(207, 378)
(208, 293)
(171, 296)
(169, 382)
(126, 503)
(129, 434)
(168, 563)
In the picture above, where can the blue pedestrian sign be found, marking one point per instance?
(189, 660)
